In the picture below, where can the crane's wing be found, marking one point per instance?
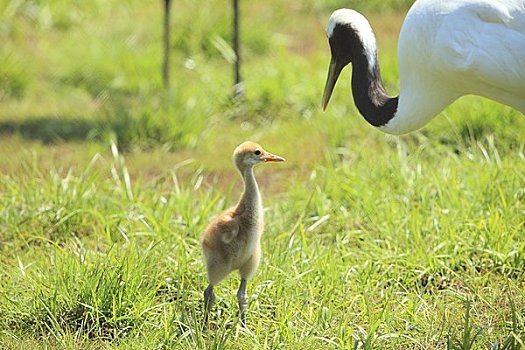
(227, 226)
(483, 42)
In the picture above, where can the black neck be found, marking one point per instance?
(369, 94)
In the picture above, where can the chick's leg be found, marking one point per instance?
(216, 270)
(209, 298)
(243, 301)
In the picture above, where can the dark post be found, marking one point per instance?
(238, 89)
(166, 64)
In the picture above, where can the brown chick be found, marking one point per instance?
(232, 241)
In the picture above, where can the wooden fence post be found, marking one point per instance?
(166, 63)
(238, 88)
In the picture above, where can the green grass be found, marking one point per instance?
(107, 182)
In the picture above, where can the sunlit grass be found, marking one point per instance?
(348, 258)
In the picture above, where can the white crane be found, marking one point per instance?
(446, 49)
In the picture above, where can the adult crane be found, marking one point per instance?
(446, 49)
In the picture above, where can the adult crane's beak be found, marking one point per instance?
(268, 157)
(334, 70)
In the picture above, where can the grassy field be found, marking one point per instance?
(107, 182)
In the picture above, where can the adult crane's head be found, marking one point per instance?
(351, 40)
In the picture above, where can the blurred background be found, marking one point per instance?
(76, 75)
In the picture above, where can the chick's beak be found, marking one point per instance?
(268, 157)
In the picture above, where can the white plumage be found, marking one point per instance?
(446, 49)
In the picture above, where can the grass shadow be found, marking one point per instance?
(48, 129)
(142, 129)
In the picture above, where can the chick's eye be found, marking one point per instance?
(257, 152)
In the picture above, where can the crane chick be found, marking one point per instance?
(232, 241)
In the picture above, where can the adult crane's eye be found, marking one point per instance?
(257, 152)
